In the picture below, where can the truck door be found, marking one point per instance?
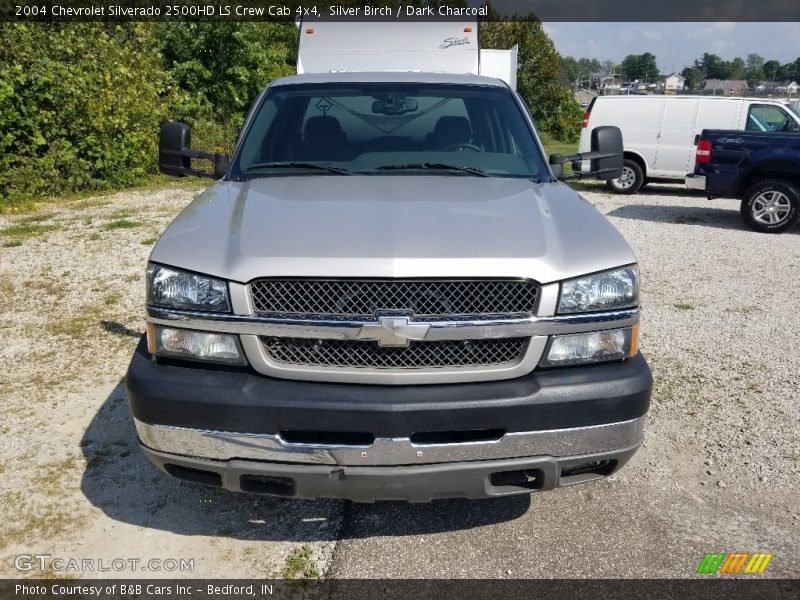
(676, 138)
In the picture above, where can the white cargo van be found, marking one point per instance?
(659, 132)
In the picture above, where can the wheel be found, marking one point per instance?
(631, 180)
(771, 206)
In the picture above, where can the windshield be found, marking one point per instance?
(794, 109)
(388, 129)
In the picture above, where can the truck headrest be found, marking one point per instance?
(323, 130)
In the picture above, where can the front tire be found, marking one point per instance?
(631, 180)
(771, 206)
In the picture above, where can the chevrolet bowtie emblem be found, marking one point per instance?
(393, 332)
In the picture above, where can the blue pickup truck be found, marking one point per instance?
(761, 168)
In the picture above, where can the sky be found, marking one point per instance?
(676, 45)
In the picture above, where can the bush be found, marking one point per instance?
(81, 103)
(80, 107)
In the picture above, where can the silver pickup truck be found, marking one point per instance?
(388, 294)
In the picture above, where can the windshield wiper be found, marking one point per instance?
(298, 165)
(435, 166)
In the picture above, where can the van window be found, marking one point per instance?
(382, 128)
(763, 117)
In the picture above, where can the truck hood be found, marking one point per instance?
(391, 226)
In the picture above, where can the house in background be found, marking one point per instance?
(788, 87)
(725, 87)
(674, 83)
(609, 84)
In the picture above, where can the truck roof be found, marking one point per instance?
(390, 77)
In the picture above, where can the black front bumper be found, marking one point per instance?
(246, 402)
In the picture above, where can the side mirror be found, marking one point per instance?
(175, 153)
(174, 140)
(607, 144)
(605, 157)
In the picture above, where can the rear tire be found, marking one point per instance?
(631, 180)
(771, 206)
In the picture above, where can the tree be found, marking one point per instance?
(693, 76)
(589, 66)
(712, 67)
(771, 68)
(640, 67)
(570, 70)
(785, 72)
(735, 69)
(795, 71)
(578, 71)
(552, 104)
(608, 66)
(754, 69)
(227, 63)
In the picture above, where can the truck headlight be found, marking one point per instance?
(179, 289)
(194, 345)
(596, 346)
(608, 290)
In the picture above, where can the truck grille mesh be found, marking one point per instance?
(362, 299)
(424, 355)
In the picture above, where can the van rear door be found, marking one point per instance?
(676, 138)
(637, 116)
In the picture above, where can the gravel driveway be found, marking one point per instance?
(718, 470)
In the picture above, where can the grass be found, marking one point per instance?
(553, 146)
(6, 285)
(31, 523)
(89, 198)
(77, 326)
(149, 241)
(51, 478)
(112, 298)
(299, 563)
(684, 306)
(122, 224)
(22, 230)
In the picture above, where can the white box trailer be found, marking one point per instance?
(434, 47)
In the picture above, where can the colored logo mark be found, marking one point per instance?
(734, 562)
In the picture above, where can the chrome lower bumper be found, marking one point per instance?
(220, 445)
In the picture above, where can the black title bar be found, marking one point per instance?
(701, 588)
(394, 10)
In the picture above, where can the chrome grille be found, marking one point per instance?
(362, 299)
(423, 355)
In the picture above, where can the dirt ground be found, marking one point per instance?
(718, 470)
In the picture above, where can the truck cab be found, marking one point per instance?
(389, 295)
